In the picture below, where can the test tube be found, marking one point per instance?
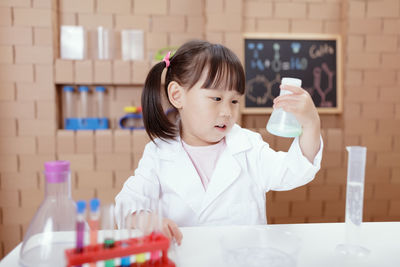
(354, 201)
(68, 101)
(156, 225)
(125, 230)
(84, 97)
(141, 223)
(80, 225)
(94, 222)
(107, 223)
(100, 91)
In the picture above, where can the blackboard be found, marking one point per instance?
(315, 59)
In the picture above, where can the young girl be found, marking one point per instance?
(205, 169)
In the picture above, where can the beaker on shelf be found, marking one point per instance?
(132, 44)
(73, 43)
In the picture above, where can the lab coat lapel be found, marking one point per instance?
(181, 175)
(228, 168)
(225, 173)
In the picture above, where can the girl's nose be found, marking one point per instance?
(225, 111)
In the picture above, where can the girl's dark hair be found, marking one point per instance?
(186, 67)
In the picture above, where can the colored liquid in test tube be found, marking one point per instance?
(109, 243)
(94, 222)
(80, 225)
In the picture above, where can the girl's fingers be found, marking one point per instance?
(291, 88)
(286, 107)
(171, 230)
(287, 97)
(166, 230)
(176, 233)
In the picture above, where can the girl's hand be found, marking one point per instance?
(143, 222)
(171, 230)
(300, 104)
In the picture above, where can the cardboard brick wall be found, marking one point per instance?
(31, 76)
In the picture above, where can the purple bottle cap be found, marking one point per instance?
(56, 171)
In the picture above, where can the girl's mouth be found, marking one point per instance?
(220, 126)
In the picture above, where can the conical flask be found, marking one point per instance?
(282, 123)
(46, 238)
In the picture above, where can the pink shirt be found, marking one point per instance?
(204, 159)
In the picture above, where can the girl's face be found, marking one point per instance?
(207, 115)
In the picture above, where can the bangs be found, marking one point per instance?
(224, 70)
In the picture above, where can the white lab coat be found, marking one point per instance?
(245, 171)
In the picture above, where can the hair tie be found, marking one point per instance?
(166, 59)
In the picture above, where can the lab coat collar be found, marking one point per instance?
(185, 180)
(236, 142)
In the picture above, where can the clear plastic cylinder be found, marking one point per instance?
(69, 102)
(132, 42)
(354, 202)
(355, 189)
(105, 43)
(282, 123)
(46, 239)
(100, 99)
(84, 102)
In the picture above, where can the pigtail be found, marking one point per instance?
(155, 121)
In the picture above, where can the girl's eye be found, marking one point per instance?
(217, 98)
(235, 101)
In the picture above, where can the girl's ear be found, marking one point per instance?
(175, 94)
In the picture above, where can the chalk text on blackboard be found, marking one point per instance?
(320, 51)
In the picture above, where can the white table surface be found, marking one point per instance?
(201, 245)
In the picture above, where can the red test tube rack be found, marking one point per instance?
(132, 246)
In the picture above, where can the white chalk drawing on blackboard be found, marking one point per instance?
(320, 51)
(295, 47)
(292, 55)
(276, 63)
(256, 62)
(267, 84)
(317, 72)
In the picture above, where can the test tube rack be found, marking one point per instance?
(86, 124)
(122, 248)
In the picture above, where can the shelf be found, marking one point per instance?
(101, 72)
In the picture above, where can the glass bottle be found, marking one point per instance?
(282, 123)
(46, 238)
